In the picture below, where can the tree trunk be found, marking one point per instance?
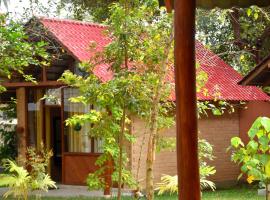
(140, 156)
(151, 150)
(121, 142)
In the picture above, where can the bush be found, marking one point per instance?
(254, 157)
(170, 183)
(21, 181)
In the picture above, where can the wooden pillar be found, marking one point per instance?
(22, 121)
(186, 115)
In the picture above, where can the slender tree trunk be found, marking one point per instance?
(140, 155)
(152, 147)
(151, 150)
(121, 143)
(121, 137)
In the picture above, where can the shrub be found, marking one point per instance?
(170, 183)
(254, 157)
(20, 181)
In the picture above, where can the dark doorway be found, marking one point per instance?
(56, 143)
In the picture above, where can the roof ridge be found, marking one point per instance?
(71, 21)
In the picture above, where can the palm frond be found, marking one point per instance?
(206, 184)
(168, 184)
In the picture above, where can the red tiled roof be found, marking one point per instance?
(75, 36)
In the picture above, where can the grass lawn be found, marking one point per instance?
(233, 194)
(228, 194)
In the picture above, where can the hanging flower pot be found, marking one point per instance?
(77, 127)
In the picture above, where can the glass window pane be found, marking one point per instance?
(76, 138)
(35, 117)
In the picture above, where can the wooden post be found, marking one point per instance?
(22, 121)
(186, 114)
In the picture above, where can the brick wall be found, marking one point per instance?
(218, 130)
(248, 115)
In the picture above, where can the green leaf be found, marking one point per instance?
(249, 11)
(264, 158)
(264, 140)
(253, 145)
(216, 112)
(256, 15)
(236, 141)
(254, 128)
(265, 121)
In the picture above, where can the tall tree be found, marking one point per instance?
(98, 9)
(241, 36)
(142, 40)
(17, 52)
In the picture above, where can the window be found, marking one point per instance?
(77, 138)
(35, 119)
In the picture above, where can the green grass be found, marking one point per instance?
(233, 194)
(226, 194)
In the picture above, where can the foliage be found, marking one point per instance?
(109, 99)
(266, 90)
(138, 61)
(18, 180)
(21, 181)
(142, 41)
(17, 52)
(98, 10)
(254, 157)
(228, 32)
(37, 161)
(231, 34)
(8, 140)
(170, 183)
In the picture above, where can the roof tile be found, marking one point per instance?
(222, 81)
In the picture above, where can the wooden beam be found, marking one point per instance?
(249, 78)
(22, 126)
(44, 74)
(30, 84)
(186, 110)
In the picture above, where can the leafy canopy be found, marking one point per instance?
(17, 52)
(240, 36)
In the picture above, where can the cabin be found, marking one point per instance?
(75, 152)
